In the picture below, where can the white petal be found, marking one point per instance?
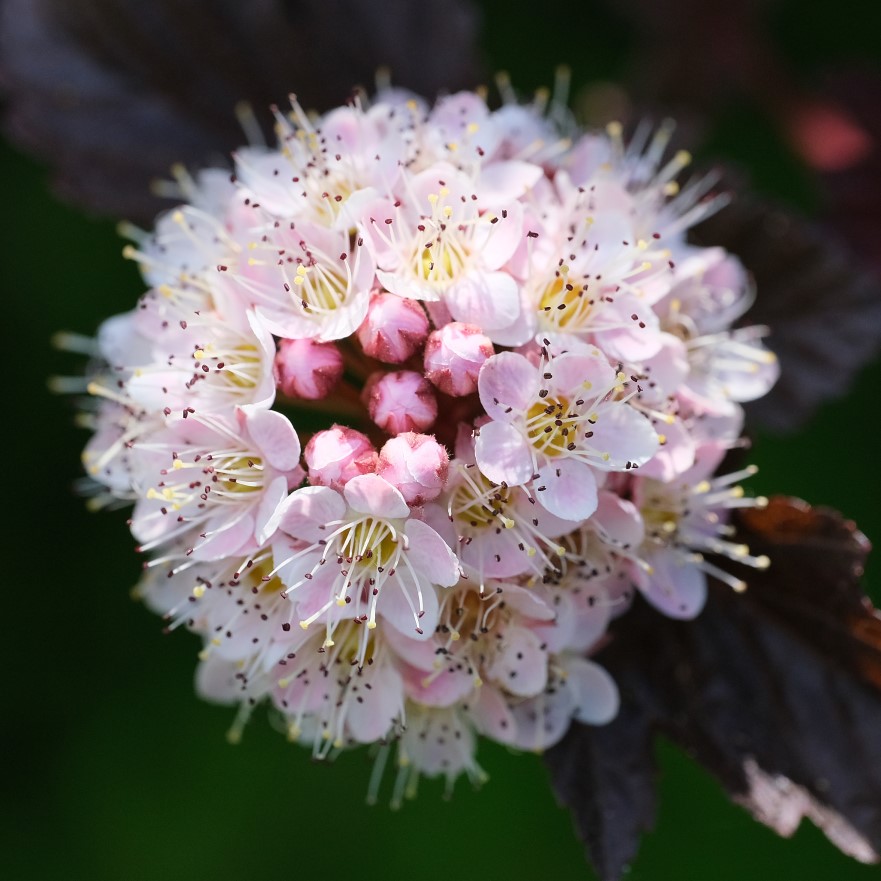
(507, 385)
(596, 695)
(307, 512)
(371, 494)
(430, 555)
(567, 488)
(503, 455)
(275, 437)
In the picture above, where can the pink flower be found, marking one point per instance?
(338, 454)
(365, 555)
(454, 355)
(686, 519)
(400, 401)
(416, 464)
(442, 244)
(554, 423)
(307, 369)
(393, 330)
(219, 484)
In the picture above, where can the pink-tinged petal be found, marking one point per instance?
(442, 688)
(521, 667)
(216, 680)
(492, 716)
(567, 488)
(593, 611)
(507, 385)
(275, 436)
(542, 720)
(309, 510)
(581, 373)
(675, 454)
(503, 455)
(370, 494)
(270, 509)
(430, 555)
(621, 435)
(315, 597)
(675, 585)
(488, 299)
(619, 520)
(398, 605)
(508, 181)
(527, 602)
(596, 696)
(421, 655)
(224, 539)
(345, 320)
(495, 554)
(498, 239)
(372, 712)
(668, 368)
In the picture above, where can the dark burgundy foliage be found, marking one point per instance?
(113, 92)
(776, 691)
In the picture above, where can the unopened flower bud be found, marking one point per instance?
(400, 401)
(416, 464)
(394, 328)
(307, 369)
(454, 355)
(337, 455)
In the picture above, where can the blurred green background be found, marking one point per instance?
(114, 770)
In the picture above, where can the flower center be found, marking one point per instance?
(565, 305)
(477, 503)
(370, 544)
(552, 427)
(320, 288)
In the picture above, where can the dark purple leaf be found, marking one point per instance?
(822, 306)
(776, 691)
(113, 92)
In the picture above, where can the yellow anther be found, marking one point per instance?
(199, 591)
(371, 625)
(473, 128)
(304, 625)
(178, 464)
(614, 129)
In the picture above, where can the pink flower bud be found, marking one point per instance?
(400, 401)
(393, 329)
(454, 355)
(416, 464)
(307, 369)
(337, 455)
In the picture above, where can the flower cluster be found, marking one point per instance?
(415, 403)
